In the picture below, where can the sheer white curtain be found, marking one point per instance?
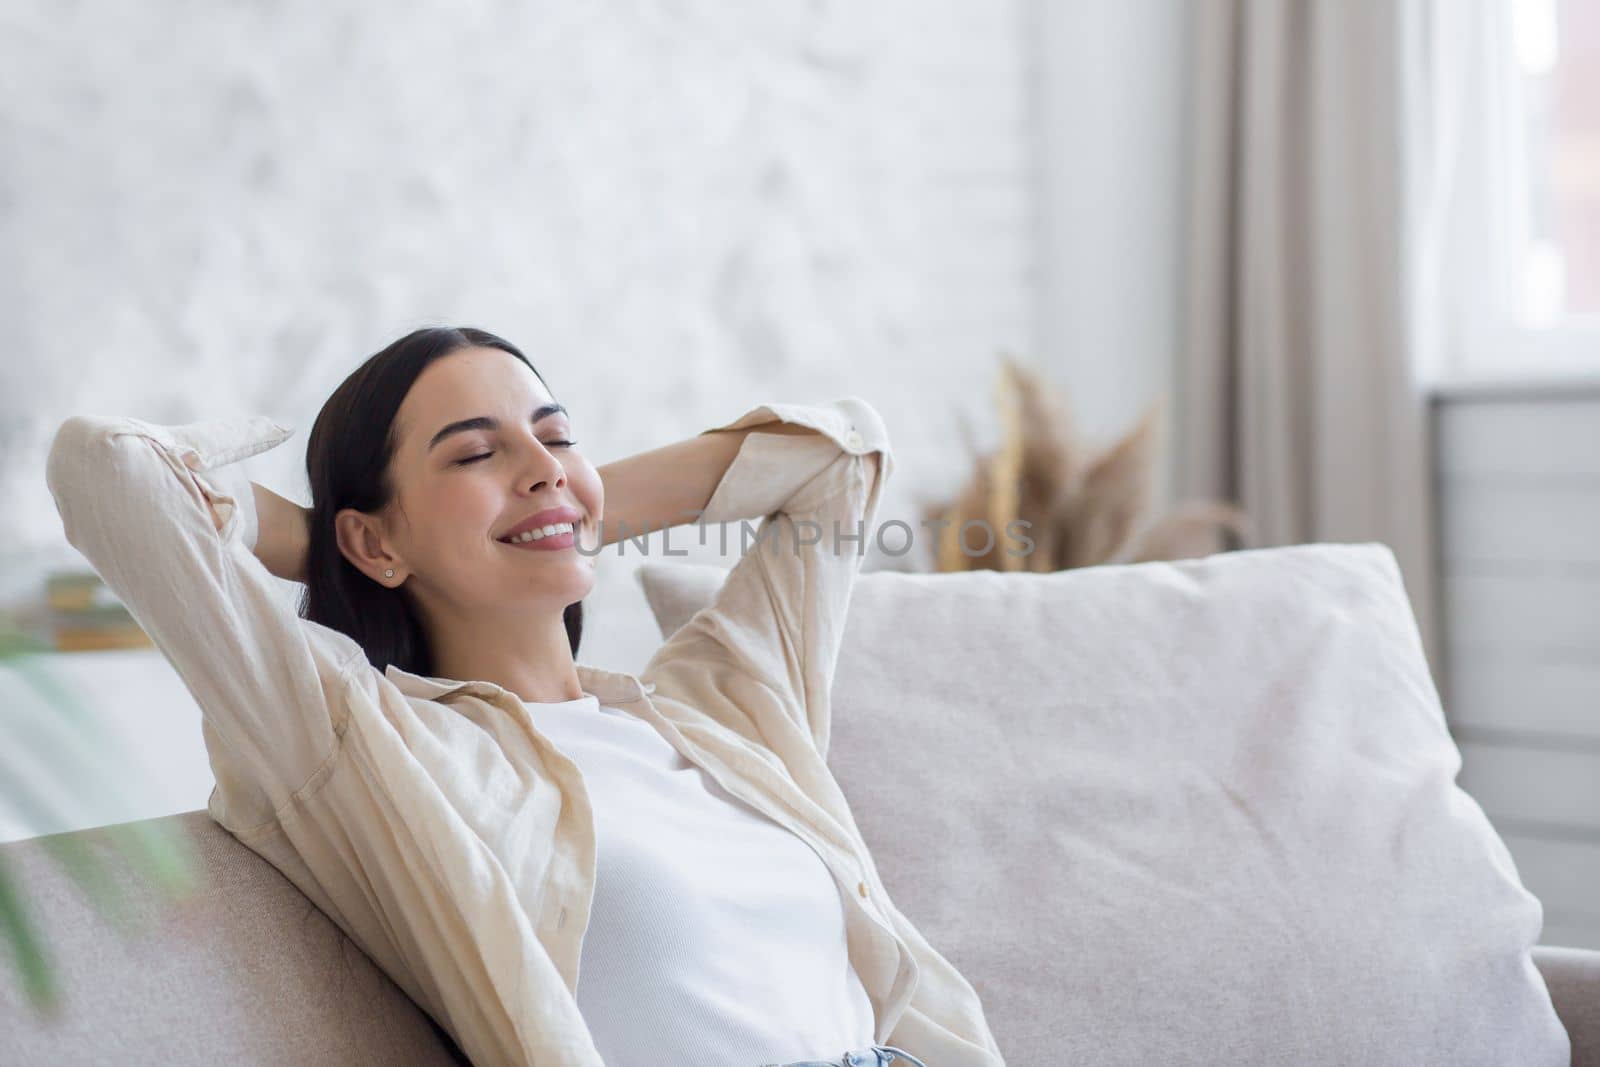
(1330, 155)
(1476, 224)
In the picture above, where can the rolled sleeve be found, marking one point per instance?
(216, 448)
(762, 655)
(137, 500)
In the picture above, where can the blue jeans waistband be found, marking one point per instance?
(867, 1056)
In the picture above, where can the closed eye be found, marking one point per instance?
(486, 455)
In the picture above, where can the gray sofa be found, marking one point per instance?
(245, 971)
(1053, 783)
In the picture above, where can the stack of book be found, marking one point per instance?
(85, 615)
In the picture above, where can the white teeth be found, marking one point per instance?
(539, 534)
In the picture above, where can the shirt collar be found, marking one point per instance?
(609, 687)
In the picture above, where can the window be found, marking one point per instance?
(1533, 311)
(1557, 45)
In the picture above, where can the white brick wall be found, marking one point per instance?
(677, 209)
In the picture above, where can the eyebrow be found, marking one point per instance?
(485, 422)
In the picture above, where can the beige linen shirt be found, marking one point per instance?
(429, 817)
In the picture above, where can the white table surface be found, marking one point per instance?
(127, 747)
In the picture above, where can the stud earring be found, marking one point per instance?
(389, 573)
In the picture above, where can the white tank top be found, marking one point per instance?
(716, 936)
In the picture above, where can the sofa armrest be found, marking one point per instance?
(1573, 977)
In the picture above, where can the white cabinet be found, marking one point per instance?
(1519, 530)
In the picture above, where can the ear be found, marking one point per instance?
(361, 540)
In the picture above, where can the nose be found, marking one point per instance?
(543, 470)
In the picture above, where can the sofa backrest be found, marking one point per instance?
(974, 781)
(1190, 812)
(242, 969)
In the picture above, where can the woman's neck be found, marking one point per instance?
(532, 661)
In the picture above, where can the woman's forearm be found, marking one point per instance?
(282, 534)
(668, 486)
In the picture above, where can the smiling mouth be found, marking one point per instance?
(549, 538)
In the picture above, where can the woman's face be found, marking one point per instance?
(460, 489)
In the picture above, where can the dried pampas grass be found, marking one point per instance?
(1081, 507)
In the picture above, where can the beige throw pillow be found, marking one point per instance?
(1198, 812)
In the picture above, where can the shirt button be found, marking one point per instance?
(854, 440)
(861, 887)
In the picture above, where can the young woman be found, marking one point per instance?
(420, 752)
